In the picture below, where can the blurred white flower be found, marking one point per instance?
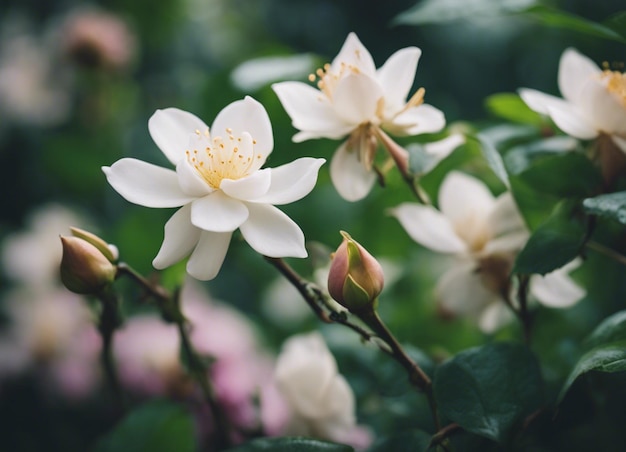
(32, 89)
(594, 100)
(320, 400)
(357, 100)
(258, 72)
(220, 185)
(484, 234)
(52, 332)
(32, 256)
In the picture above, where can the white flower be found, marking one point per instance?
(320, 399)
(484, 234)
(594, 100)
(220, 185)
(356, 99)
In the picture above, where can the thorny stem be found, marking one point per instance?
(170, 309)
(316, 298)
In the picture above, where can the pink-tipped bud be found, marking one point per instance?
(84, 268)
(356, 278)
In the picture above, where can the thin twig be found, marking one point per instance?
(609, 252)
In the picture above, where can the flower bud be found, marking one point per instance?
(356, 278)
(109, 251)
(84, 268)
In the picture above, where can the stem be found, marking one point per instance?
(316, 298)
(417, 376)
(169, 305)
(110, 320)
(524, 314)
(609, 252)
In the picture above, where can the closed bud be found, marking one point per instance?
(84, 268)
(356, 278)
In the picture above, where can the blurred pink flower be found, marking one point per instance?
(97, 39)
(147, 353)
(52, 332)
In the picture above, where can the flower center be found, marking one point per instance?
(327, 79)
(615, 84)
(474, 231)
(217, 158)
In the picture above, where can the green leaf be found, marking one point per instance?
(533, 206)
(566, 175)
(444, 11)
(519, 158)
(493, 157)
(511, 107)
(617, 23)
(556, 242)
(295, 444)
(555, 18)
(604, 358)
(488, 390)
(612, 329)
(612, 205)
(157, 426)
(408, 441)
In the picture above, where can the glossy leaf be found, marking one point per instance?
(520, 157)
(493, 157)
(553, 244)
(489, 390)
(444, 11)
(566, 175)
(511, 107)
(157, 426)
(604, 358)
(612, 329)
(612, 205)
(291, 444)
(408, 441)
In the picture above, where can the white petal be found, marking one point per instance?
(397, 74)
(310, 111)
(218, 213)
(460, 290)
(505, 218)
(146, 184)
(272, 233)
(246, 115)
(179, 240)
(429, 227)
(605, 110)
(539, 102)
(572, 122)
(207, 258)
(356, 98)
(443, 148)
(575, 70)
(354, 53)
(170, 129)
(556, 289)
(417, 120)
(510, 242)
(494, 316)
(292, 181)
(350, 177)
(247, 188)
(462, 196)
(190, 181)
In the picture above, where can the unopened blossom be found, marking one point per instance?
(219, 185)
(593, 103)
(484, 234)
(320, 399)
(354, 99)
(355, 278)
